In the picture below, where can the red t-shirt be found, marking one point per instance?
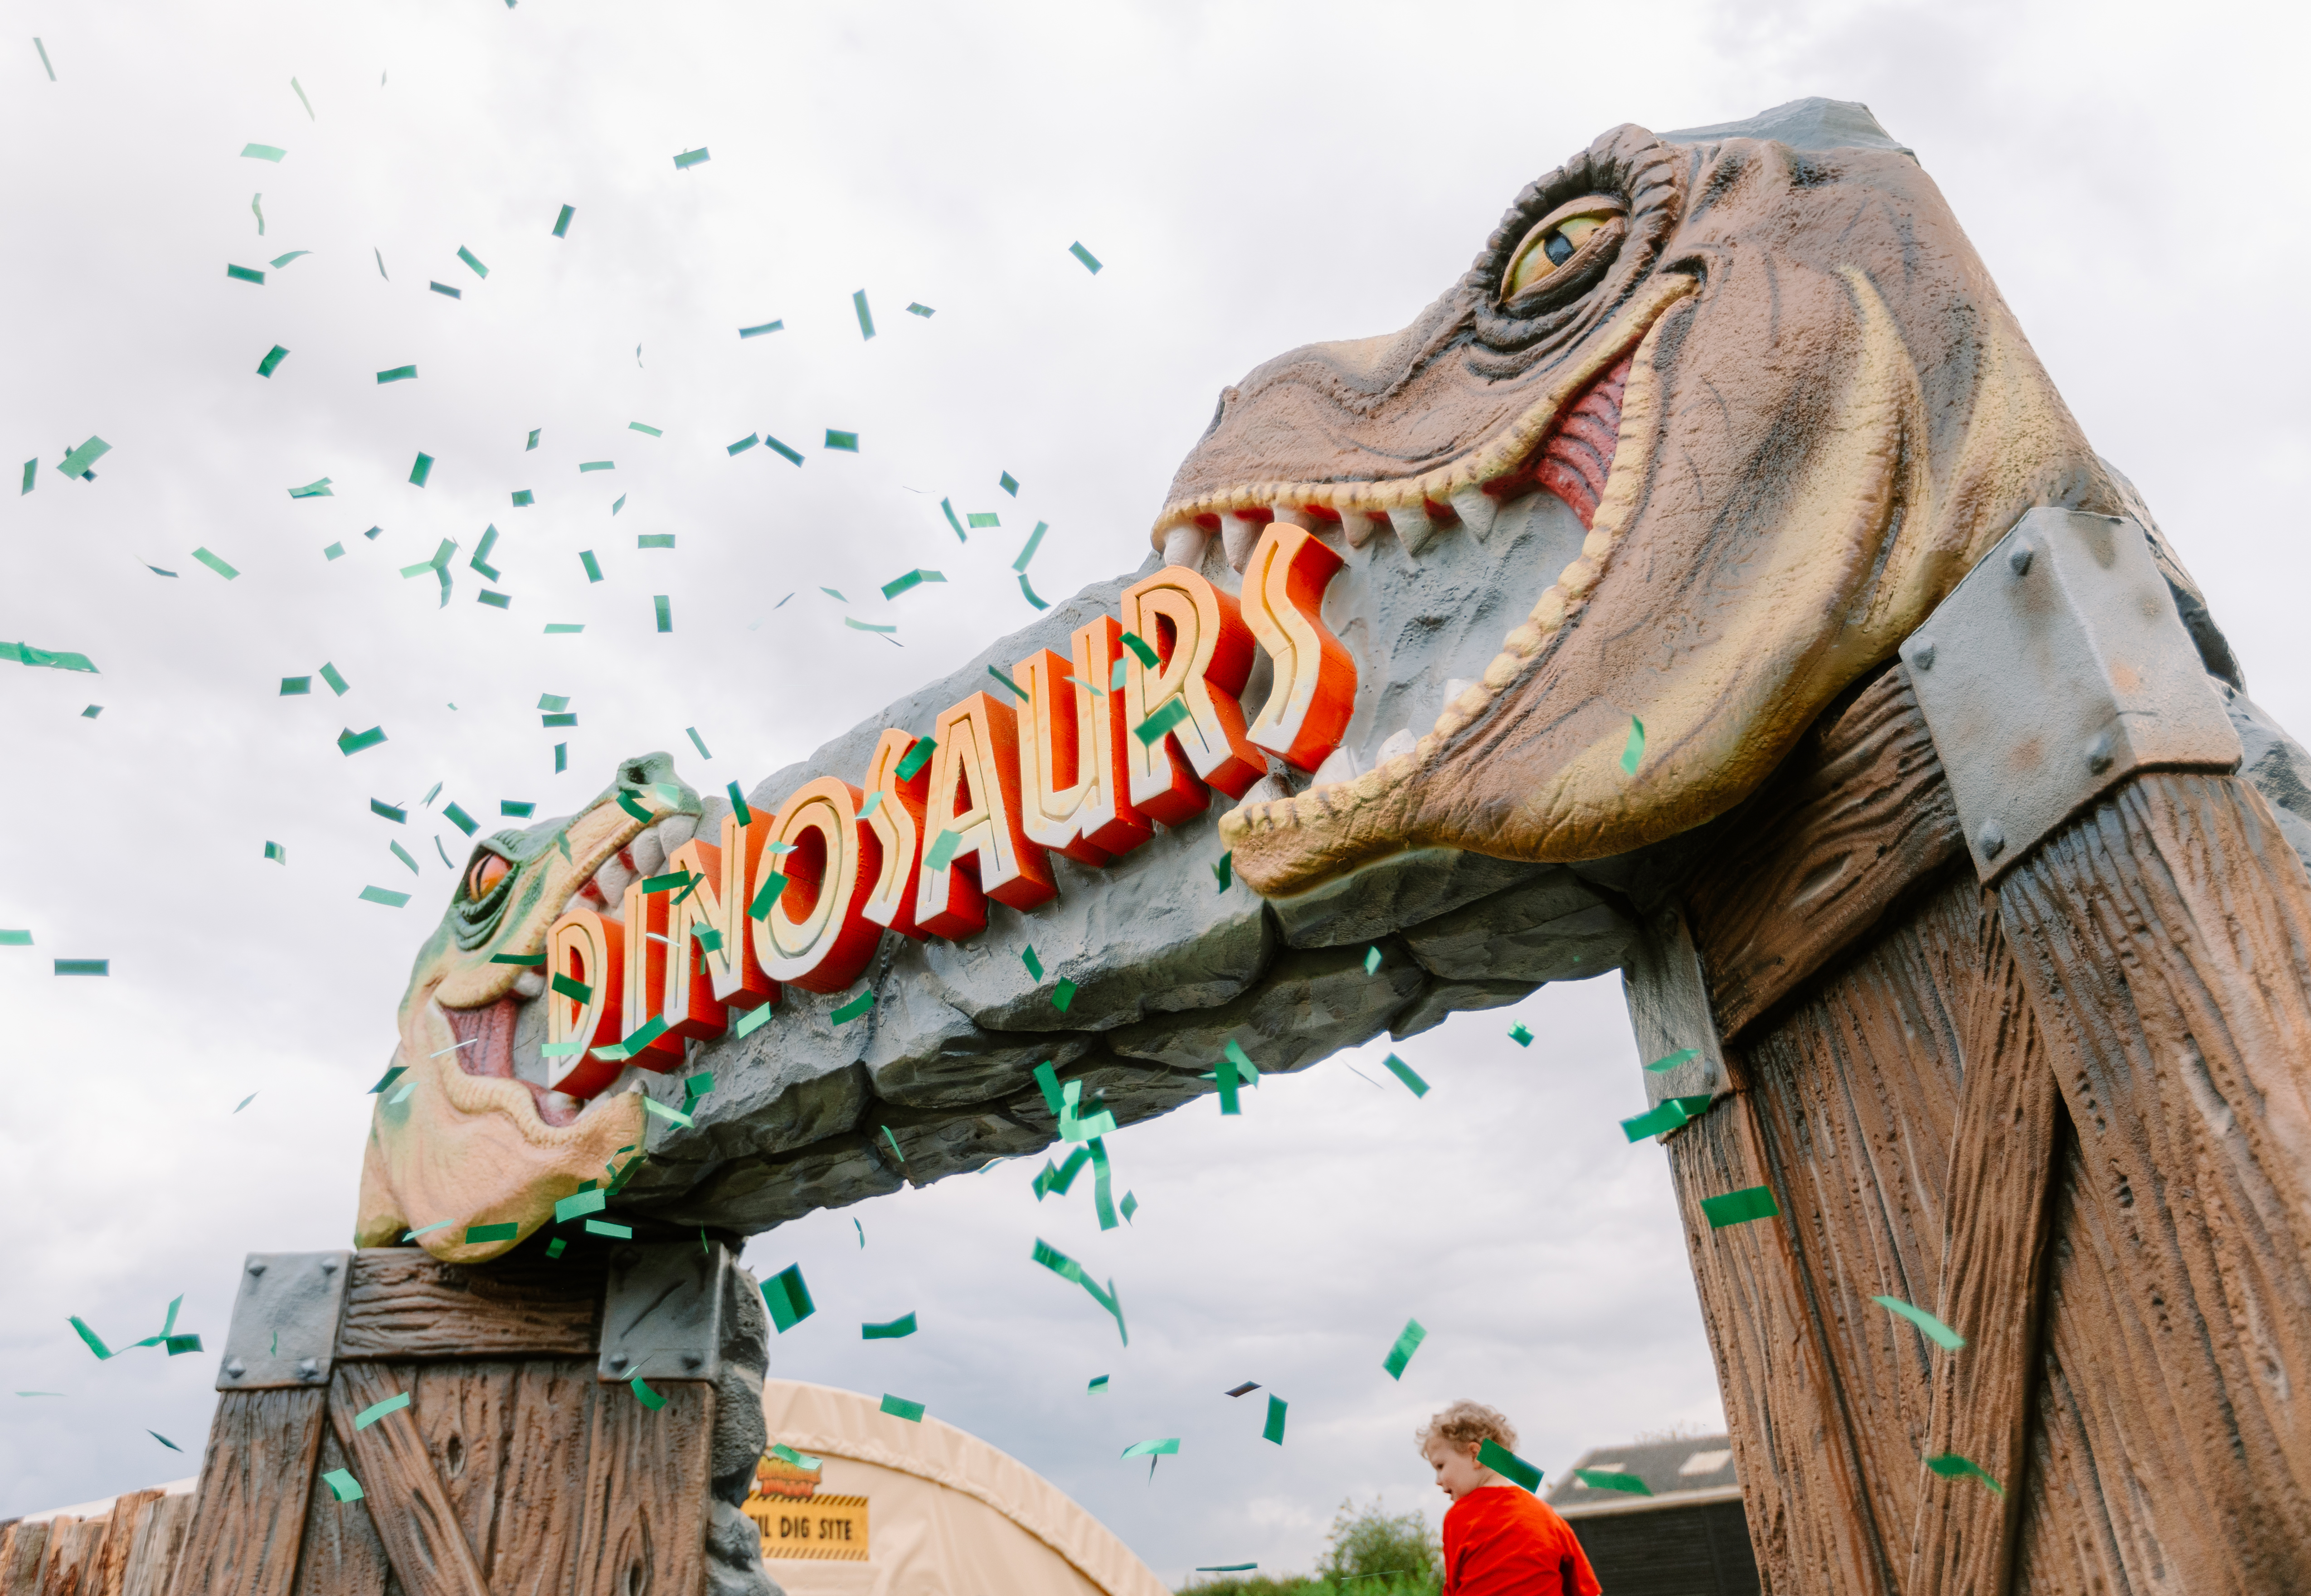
(1500, 1540)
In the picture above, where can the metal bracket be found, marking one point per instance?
(2056, 670)
(1668, 1010)
(285, 1321)
(662, 1312)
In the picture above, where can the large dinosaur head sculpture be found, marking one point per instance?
(1775, 381)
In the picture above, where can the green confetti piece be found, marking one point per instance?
(636, 426)
(1128, 1206)
(282, 260)
(1164, 719)
(271, 362)
(420, 471)
(891, 1330)
(1091, 262)
(164, 1441)
(1372, 960)
(1407, 1344)
(942, 850)
(916, 758)
(773, 885)
(15, 938)
(1010, 686)
(1612, 1479)
(925, 311)
(672, 1115)
(800, 1459)
(83, 967)
(633, 806)
(314, 489)
(1146, 654)
(550, 721)
(1520, 1035)
(1169, 1446)
(398, 374)
(518, 808)
(1664, 1065)
(95, 1342)
(342, 1484)
(742, 445)
(263, 152)
(1029, 593)
(554, 1248)
(866, 317)
(622, 1233)
(947, 506)
(1657, 1121)
(655, 540)
(1738, 1208)
(874, 802)
(580, 1204)
(847, 442)
(378, 894)
(586, 466)
(397, 816)
(32, 474)
(1035, 965)
(1115, 676)
(1224, 872)
(1635, 750)
(900, 1407)
(523, 499)
(216, 563)
(1098, 1383)
(1951, 1466)
(593, 569)
(52, 78)
(1008, 483)
(380, 261)
(240, 273)
(466, 255)
(562, 628)
(1063, 993)
(490, 1232)
(337, 684)
(277, 853)
(376, 1410)
(644, 1394)
(561, 764)
(562, 223)
(756, 332)
(894, 1140)
(1940, 1334)
(295, 686)
(26, 654)
(446, 289)
(350, 742)
(460, 819)
(387, 1079)
(1404, 1072)
(1035, 541)
(1223, 1074)
(527, 961)
(1226, 1567)
(411, 1236)
(739, 806)
(787, 1298)
(335, 551)
(1103, 1181)
(617, 504)
(913, 579)
(793, 456)
(1274, 1429)
(663, 604)
(690, 158)
(696, 742)
(177, 1346)
(753, 1020)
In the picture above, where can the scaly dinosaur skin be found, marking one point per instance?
(470, 1143)
(1827, 415)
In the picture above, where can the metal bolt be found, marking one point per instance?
(2019, 557)
(234, 1368)
(1993, 840)
(1922, 654)
(328, 1265)
(255, 1267)
(2098, 754)
(309, 1368)
(617, 1360)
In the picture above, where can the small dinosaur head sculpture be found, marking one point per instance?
(1773, 377)
(468, 1132)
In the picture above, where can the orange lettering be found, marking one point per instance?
(1205, 653)
(583, 947)
(1315, 692)
(645, 983)
(1073, 783)
(974, 794)
(816, 934)
(898, 825)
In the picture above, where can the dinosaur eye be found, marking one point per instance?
(1555, 240)
(485, 873)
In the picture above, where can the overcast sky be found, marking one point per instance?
(1253, 176)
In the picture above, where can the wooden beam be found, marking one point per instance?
(413, 1515)
(643, 1517)
(159, 1540)
(22, 1547)
(75, 1548)
(122, 1524)
(250, 1505)
(402, 1304)
(343, 1556)
(2165, 937)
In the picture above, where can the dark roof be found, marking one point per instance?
(1669, 1469)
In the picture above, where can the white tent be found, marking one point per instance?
(902, 1508)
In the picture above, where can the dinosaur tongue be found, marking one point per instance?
(485, 1048)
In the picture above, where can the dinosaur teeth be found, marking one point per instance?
(1184, 545)
(1239, 534)
(1476, 509)
(1413, 527)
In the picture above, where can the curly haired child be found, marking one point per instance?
(1500, 1540)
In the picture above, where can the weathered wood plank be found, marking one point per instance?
(76, 1553)
(1990, 1287)
(1808, 1510)
(1858, 816)
(121, 1525)
(411, 1514)
(642, 1524)
(402, 1304)
(342, 1554)
(249, 1510)
(22, 1548)
(523, 1432)
(158, 1541)
(2165, 935)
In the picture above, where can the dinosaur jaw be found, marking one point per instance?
(1574, 443)
(1548, 445)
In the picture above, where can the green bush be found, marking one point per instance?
(1369, 1553)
